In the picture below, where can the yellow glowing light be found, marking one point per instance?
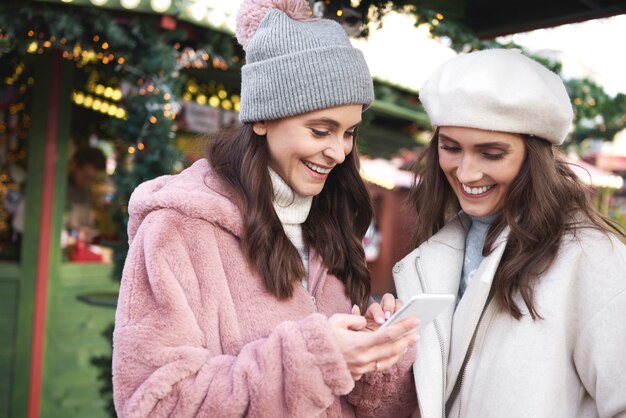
(120, 60)
(117, 95)
(439, 16)
(96, 104)
(121, 113)
(104, 108)
(99, 89)
(339, 12)
(131, 150)
(105, 45)
(96, 38)
(187, 96)
(88, 101)
(227, 105)
(140, 146)
(112, 110)
(79, 98)
(577, 101)
(167, 96)
(130, 4)
(236, 107)
(108, 92)
(160, 5)
(214, 101)
(32, 48)
(153, 119)
(222, 94)
(47, 44)
(201, 99)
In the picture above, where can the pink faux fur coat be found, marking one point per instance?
(197, 334)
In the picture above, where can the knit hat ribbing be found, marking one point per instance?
(296, 66)
(499, 90)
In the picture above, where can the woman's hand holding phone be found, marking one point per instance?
(378, 313)
(365, 351)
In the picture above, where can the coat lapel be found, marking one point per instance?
(469, 310)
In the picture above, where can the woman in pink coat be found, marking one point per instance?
(245, 278)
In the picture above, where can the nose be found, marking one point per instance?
(468, 170)
(336, 149)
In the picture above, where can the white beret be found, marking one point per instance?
(499, 90)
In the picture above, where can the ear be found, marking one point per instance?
(259, 128)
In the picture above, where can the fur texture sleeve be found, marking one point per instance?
(168, 357)
(390, 393)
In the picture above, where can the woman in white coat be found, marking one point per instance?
(539, 328)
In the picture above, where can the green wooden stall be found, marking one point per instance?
(47, 334)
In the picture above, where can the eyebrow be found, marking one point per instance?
(329, 121)
(496, 144)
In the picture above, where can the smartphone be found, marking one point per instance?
(424, 306)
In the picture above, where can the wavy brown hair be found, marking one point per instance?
(545, 201)
(335, 227)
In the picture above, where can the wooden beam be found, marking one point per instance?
(43, 252)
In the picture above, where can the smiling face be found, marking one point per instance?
(480, 166)
(303, 149)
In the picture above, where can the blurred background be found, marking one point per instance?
(97, 96)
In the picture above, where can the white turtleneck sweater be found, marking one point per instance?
(292, 210)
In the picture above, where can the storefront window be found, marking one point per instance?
(88, 229)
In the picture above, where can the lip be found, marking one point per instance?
(315, 174)
(475, 196)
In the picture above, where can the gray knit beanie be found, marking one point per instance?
(295, 64)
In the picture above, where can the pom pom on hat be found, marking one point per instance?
(252, 12)
(499, 90)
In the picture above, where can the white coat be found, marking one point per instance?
(571, 363)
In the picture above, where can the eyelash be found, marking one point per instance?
(320, 134)
(491, 157)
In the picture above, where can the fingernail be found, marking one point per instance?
(387, 315)
(380, 320)
(354, 309)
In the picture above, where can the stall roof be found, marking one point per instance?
(491, 18)
(486, 18)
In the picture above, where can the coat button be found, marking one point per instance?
(398, 267)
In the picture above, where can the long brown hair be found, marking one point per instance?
(544, 202)
(337, 222)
